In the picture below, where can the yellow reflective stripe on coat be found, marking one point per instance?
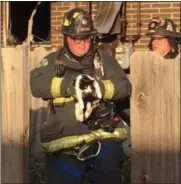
(55, 86)
(63, 100)
(76, 140)
(109, 89)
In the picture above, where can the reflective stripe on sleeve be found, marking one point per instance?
(55, 86)
(76, 140)
(109, 89)
(63, 100)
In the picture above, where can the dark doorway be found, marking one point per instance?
(20, 12)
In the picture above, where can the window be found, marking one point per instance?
(19, 15)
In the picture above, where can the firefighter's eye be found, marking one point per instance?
(84, 39)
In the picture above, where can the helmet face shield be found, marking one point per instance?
(78, 23)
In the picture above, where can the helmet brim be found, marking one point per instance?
(176, 35)
(82, 34)
(154, 35)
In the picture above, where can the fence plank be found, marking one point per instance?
(155, 118)
(16, 107)
(13, 126)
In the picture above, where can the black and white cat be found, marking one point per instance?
(88, 94)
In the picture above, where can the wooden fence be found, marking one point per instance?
(155, 118)
(155, 115)
(18, 107)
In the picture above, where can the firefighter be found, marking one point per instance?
(165, 37)
(82, 135)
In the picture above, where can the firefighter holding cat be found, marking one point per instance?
(75, 140)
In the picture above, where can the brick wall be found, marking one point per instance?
(147, 11)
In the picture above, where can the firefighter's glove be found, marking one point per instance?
(88, 94)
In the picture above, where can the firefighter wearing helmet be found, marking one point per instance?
(78, 23)
(165, 37)
(83, 133)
